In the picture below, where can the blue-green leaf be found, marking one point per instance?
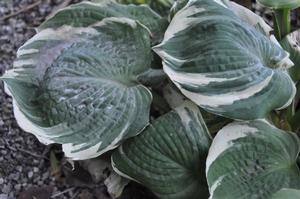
(178, 5)
(78, 86)
(252, 160)
(87, 13)
(250, 17)
(169, 156)
(224, 64)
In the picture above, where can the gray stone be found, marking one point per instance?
(14, 176)
(3, 196)
(35, 169)
(45, 175)
(17, 187)
(30, 174)
(6, 189)
(19, 168)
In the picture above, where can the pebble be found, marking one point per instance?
(6, 189)
(19, 168)
(45, 175)
(17, 187)
(4, 196)
(30, 174)
(14, 176)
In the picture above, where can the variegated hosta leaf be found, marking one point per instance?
(252, 160)
(174, 98)
(280, 4)
(161, 6)
(250, 17)
(178, 5)
(223, 64)
(87, 13)
(168, 157)
(78, 86)
(287, 194)
(291, 43)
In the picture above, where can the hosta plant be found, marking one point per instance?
(197, 104)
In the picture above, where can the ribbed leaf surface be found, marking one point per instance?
(87, 13)
(224, 64)
(252, 160)
(169, 156)
(78, 86)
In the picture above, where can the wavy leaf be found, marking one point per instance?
(87, 13)
(223, 64)
(78, 86)
(168, 157)
(174, 98)
(250, 17)
(178, 5)
(252, 160)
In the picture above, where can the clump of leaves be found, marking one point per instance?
(90, 80)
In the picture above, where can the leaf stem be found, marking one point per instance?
(282, 27)
(282, 22)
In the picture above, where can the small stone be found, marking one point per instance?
(6, 189)
(1, 180)
(45, 175)
(17, 187)
(30, 174)
(35, 169)
(3, 196)
(11, 195)
(14, 176)
(19, 168)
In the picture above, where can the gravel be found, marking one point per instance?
(22, 162)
